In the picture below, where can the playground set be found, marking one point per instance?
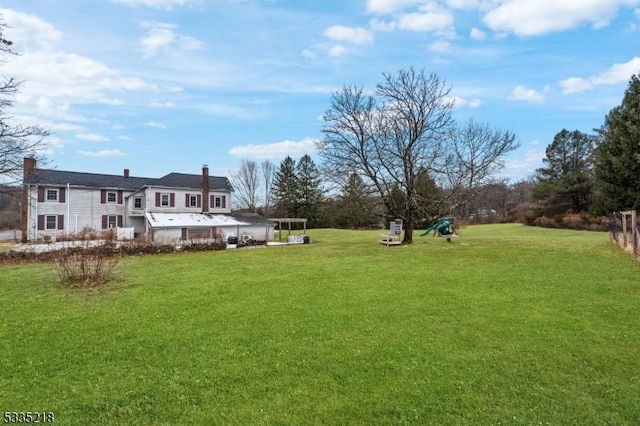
(443, 227)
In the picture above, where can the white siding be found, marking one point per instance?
(82, 209)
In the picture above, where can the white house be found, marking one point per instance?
(175, 207)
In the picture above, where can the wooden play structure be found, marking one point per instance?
(394, 236)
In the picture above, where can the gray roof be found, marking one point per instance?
(252, 218)
(95, 180)
(181, 180)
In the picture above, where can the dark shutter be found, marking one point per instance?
(105, 221)
(40, 222)
(184, 234)
(103, 196)
(186, 201)
(60, 221)
(212, 201)
(120, 220)
(223, 202)
(40, 194)
(157, 199)
(172, 199)
(61, 195)
(199, 200)
(120, 196)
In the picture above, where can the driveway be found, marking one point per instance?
(9, 235)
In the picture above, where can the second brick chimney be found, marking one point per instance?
(205, 188)
(126, 173)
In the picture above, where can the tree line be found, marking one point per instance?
(597, 173)
(396, 152)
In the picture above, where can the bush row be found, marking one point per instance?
(109, 249)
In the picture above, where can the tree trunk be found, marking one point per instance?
(408, 232)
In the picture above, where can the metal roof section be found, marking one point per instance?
(191, 220)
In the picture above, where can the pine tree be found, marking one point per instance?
(566, 183)
(355, 207)
(617, 168)
(285, 189)
(309, 190)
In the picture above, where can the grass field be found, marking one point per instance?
(505, 325)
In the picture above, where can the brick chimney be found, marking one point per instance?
(126, 173)
(28, 166)
(205, 189)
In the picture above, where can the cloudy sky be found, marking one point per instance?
(169, 85)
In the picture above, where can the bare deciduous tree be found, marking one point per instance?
(246, 181)
(402, 131)
(16, 140)
(268, 171)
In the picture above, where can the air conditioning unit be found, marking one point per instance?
(246, 237)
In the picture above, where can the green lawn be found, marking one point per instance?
(504, 325)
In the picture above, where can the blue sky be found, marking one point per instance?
(161, 86)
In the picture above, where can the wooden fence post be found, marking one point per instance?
(634, 232)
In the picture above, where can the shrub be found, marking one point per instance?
(83, 267)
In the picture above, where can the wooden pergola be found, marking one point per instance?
(289, 221)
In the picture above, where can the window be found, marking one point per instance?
(52, 195)
(220, 201)
(167, 199)
(112, 197)
(51, 222)
(112, 221)
(137, 202)
(193, 201)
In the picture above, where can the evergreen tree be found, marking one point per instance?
(355, 206)
(285, 189)
(566, 182)
(308, 190)
(617, 168)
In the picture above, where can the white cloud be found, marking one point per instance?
(28, 32)
(380, 25)
(157, 4)
(432, 18)
(521, 93)
(525, 164)
(309, 54)
(275, 150)
(357, 36)
(475, 103)
(190, 43)
(338, 50)
(103, 153)
(161, 36)
(618, 73)
(468, 4)
(389, 6)
(477, 34)
(158, 104)
(529, 18)
(91, 137)
(440, 46)
(155, 125)
(459, 102)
